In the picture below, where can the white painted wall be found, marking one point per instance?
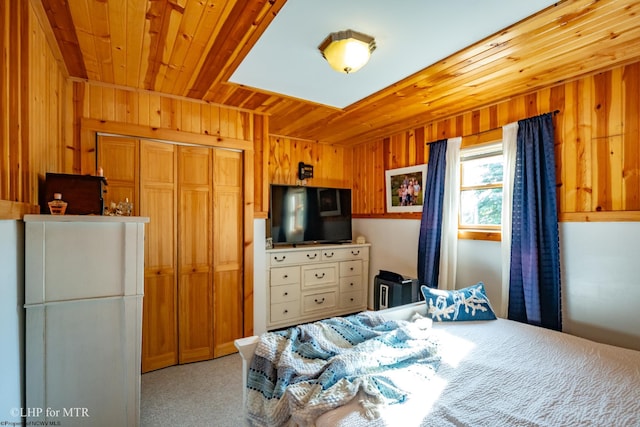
(259, 279)
(480, 260)
(601, 281)
(11, 318)
(394, 246)
(600, 266)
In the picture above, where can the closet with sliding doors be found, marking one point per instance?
(193, 298)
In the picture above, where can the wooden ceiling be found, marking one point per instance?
(190, 48)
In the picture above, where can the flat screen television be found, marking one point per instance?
(301, 215)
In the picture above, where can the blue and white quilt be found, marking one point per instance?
(298, 374)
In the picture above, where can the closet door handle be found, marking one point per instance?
(319, 276)
(319, 301)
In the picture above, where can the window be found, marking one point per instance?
(481, 191)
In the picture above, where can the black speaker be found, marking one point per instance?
(392, 290)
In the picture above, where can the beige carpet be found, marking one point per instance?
(196, 394)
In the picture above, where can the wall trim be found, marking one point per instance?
(16, 210)
(608, 216)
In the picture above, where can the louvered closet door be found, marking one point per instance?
(227, 250)
(158, 189)
(195, 280)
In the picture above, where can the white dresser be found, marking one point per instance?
(83, 299)
(314, 282)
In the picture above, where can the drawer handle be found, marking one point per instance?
(285, 311)
(312, 256)
(351, 268)
(328, 255)
(319, 301)
(351, 299)
(319, 276)
(285, 276)
(285, 294)
(351, 284)
(279, 260)
(355, 253)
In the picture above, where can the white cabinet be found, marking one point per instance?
(83, 300)
(311, 283)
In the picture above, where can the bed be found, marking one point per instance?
(486, 372)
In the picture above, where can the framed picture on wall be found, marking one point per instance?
(405, 188)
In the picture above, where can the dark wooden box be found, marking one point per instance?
(83, 193)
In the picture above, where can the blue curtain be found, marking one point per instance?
(534, 289)
(431, 223)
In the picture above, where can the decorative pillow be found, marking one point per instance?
(470, 303)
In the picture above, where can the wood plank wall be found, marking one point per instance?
(260, 166)
(597, 131)
(152, 115)
(33, 91)
(597, 146)
(332, 165)
(42, 112)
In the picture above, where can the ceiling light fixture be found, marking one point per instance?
(347, 51)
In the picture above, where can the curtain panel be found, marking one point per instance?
(534, 291)
(509, 148)
(431, 222)
(450, 208)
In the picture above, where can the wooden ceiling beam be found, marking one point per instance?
(59, 16)
(246, 18)
(190, 48)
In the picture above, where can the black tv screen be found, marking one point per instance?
(309, 214)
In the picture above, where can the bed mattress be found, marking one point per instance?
(505, 373)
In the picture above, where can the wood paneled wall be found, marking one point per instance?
(33, 100)
(152, 115)
(42, 115)
(332, 165)
(597, 133)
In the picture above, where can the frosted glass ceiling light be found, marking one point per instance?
(347, 51)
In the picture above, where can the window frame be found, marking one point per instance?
(477, 151)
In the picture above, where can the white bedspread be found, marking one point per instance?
(504, 373)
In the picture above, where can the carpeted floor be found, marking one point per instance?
(196, 394)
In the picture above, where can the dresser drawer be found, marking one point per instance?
(285, 293)
(343, 254)
(294, 257)
(319, 275)
(350, 284)
(284, 275)
(285, 311)
(351, 268)
(309, 283)
(353, 300)
(323, 301)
